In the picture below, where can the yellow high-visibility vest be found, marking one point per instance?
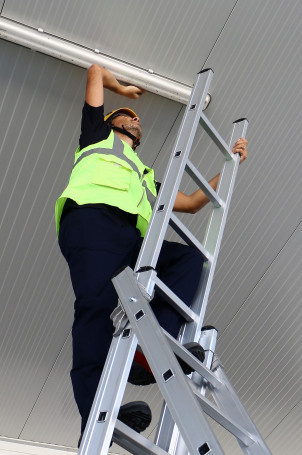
(110, 172)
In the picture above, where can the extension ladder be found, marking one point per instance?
(183, 426)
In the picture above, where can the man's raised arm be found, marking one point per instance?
(99, 78)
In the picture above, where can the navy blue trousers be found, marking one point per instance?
(96, 242)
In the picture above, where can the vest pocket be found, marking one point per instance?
(112, 175)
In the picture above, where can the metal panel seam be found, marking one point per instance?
(2, 7)
(220, 33)
(283, 419)
(42, 388)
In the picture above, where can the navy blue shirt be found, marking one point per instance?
(93, 128)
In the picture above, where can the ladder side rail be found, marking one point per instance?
(101, 422)
(228, 401)
(165, 201)
(191, 332)
(170, 379)
(202, 183)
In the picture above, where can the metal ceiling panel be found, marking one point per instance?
(264, 364)
(56, 404)
(173, 38)
(288, 437)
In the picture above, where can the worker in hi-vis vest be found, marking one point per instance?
(101, 218)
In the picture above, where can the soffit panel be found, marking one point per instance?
(173, 38)
(56, 404)
(261, 349)
(287, 436)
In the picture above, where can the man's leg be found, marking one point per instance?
(179, 267)
(95, 244)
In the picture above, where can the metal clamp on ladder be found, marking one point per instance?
(183, 426)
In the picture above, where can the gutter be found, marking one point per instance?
(41, 41)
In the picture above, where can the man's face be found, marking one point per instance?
(131, 124)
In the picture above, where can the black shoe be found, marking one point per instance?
(139, 376)
(137, 415)
(196, 350)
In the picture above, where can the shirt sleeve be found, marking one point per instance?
(93, 127)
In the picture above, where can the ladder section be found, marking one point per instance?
(182, 417)
(184, 398)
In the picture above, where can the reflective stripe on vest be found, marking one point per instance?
(118, 148)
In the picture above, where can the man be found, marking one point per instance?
(101, 219)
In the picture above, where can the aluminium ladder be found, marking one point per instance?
(183, 427)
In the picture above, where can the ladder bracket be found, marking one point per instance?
(119, 316)
(119, 319)
(216, 363)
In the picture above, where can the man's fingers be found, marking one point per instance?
(240, 147)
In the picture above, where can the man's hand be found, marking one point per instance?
(240, 147)
(130, 91)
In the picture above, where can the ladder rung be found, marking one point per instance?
(204, 185)
(132, 441)
(222, 418)
(188, 237)
(185, 355)
(175, 301)
(216, 138)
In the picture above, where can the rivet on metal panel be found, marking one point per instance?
(161, 208)
(192, 107)
(150, 71)
(132, 299)
(97, 51)
(41, 30)
(177, 154)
